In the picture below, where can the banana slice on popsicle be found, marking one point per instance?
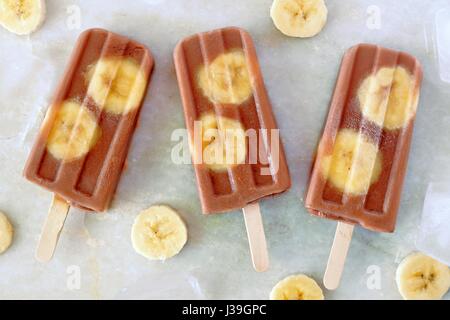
(223, 143)
(388, 98)
(299, 18)
(22, 17)
(297, 287)
(354, 164)
(226, 79)
(74, 132)
(420, 277)
(116, 84)
(158, 233)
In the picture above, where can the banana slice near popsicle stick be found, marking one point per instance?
(74, 133)
(355, 163)
(22, 17)
(420, 277)
(6, 233)
(116, 84)
(299, 18)
(297, 287)
(158, 233)
(224, 142)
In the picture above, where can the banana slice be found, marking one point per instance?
(226, 79)
(299, 18)
(223, 142)
(116, 84)
(158, 233)
(420, 277)
(297, 287)
(6, 233)
(387, 97)
(74, 132)
(22, 17)
(355, 163)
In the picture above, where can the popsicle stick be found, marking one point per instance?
(338, 254)
(256, 237)
(52, 228)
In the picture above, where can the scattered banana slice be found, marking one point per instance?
(420, 277)
(297, 287)
(22, 17)
(223, 142)
(299, 18)
(226, 79)
(158, 233)
(6, 233)
(387, 97)
(355, 163)
(116, 84)
(74, 133)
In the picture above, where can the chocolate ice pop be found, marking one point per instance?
(242, 161)
(81, 148)
(358, 173)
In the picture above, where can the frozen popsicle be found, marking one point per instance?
(223, 92)
(361, 160)
(81, 148)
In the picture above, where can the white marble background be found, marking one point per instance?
(215, 264)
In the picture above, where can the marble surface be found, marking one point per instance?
(215, 264)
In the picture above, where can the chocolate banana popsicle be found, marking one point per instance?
(361, 161)
(82, 145)
(236, 150)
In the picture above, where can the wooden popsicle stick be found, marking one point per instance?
(256, 237)
(52, 228)
(338, 254)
